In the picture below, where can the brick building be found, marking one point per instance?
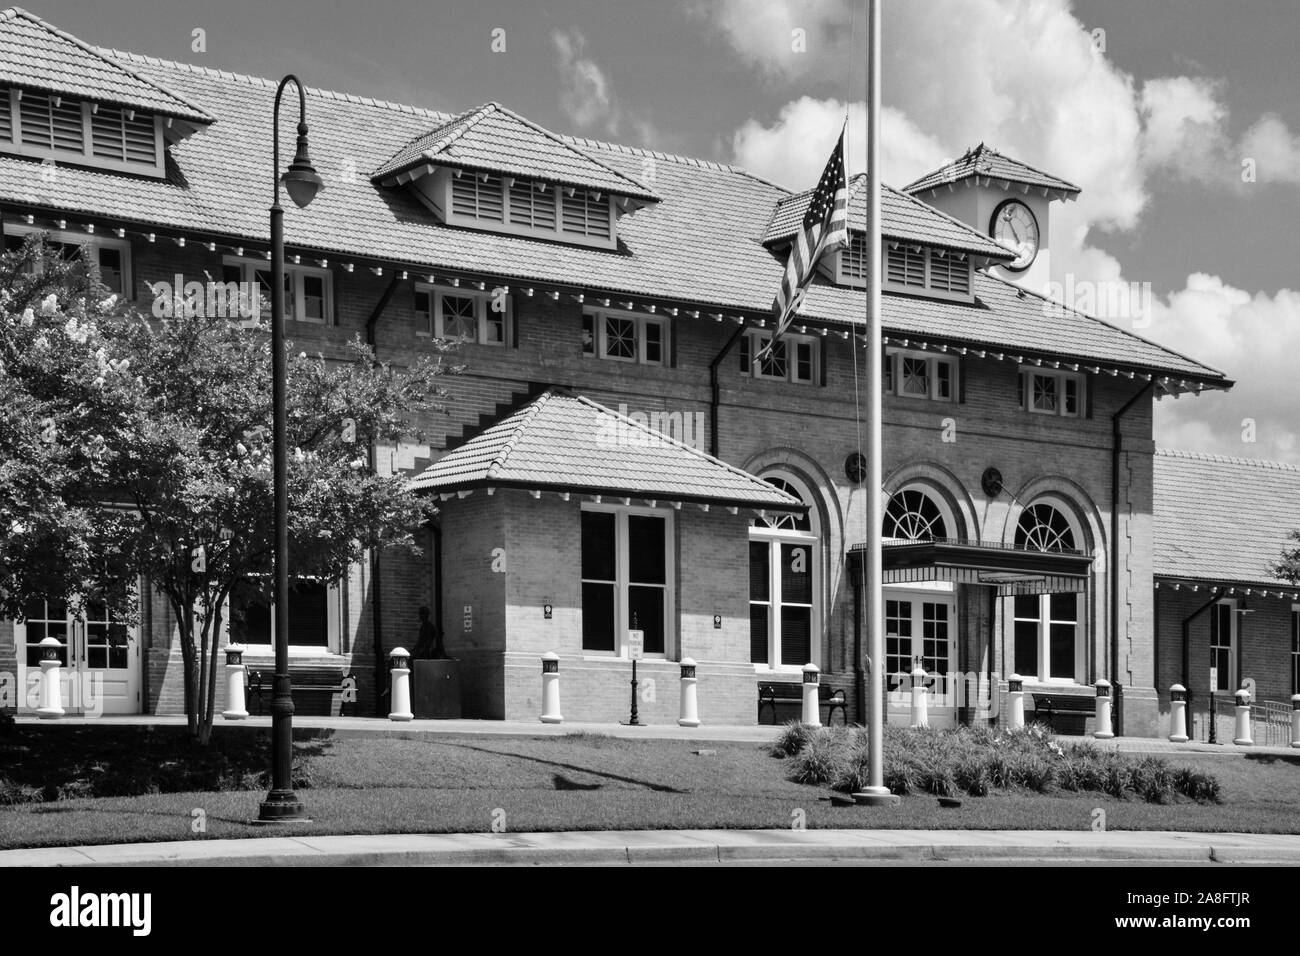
(612, 457)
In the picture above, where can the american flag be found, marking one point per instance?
(825, 229)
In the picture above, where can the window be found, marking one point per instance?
(624, 337)
(315, 613)
(794, 358)
(58, 127)
(111, 255)
(308, 292)
(1049, 392)
(912, 515)
(911, 268)
(525, 207)
(920, 375)
(625, 579)
(1223, 642)
(1047, 639)
(784, 569)
(1295, 649)
(474, 317)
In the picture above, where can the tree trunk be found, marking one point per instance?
(205, 726)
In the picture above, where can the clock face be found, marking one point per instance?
(1015, 227)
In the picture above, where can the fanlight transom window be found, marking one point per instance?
(914, 516)
(1043, 527)
(785, 522)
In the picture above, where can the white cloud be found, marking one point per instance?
(1024, 77)
(586, 95)
(764, 33)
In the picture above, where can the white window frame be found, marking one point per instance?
(622, 568)
(1044, 618)
(86, 156)
(943, 686)
(295, 304)
(94, 240)
(774, 538)
(335, 616)
(756, 339)
(437, 194)
(1061, 377)
(895, 359)
(1234, 621)
(641, 322)
(482, 299)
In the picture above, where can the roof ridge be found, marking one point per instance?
(1111, 325)
(526, 415)
(669, 439)
(16, 11)
(262, 81)
(1261, 463)
(933, 209)
(587, 141)
(1030, 166)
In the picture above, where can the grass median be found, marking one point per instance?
(64, 785)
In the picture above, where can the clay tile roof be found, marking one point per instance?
(494, 139)
(902, 217)
(564, 442)
(38, 55)
(986, 161)
(1221, 519)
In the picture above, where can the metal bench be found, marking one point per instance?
(313, 687)
(769, 695)
(1064, 713)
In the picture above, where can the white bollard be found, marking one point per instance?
(1103, 729)
(811, 695)
(551, 688)
(1178, 714)
(689, 710)
(920, 704)
(399, 663)
(51, 700)
(1016, 702)
(235, 705)
(1243, 738)
(1295, 720)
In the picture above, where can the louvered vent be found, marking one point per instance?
(6, 115)
(477, 198)
(905, 265)
(585, 215)
(949, 274)
(853, 262)
(532, 204)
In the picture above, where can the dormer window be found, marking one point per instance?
(926, 269)
(81, 132)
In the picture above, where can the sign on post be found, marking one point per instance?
(635, 645)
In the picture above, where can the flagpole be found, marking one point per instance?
(875, 792)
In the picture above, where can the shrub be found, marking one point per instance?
(1033, 772)
(823, 757)
(1201, 787)
(12, 793)
(972, 775)
(1151, 779)
(793, 738)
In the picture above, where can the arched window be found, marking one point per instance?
(913, 515)
(1048, 628)
(784, 571)
(1044, 527)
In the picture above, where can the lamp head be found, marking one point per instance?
(301, 180)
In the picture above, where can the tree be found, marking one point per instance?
(1288, 567)
(173, 420)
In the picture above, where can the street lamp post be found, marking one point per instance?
(302, 183)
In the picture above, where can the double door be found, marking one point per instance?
(99, 658)
(921, 628)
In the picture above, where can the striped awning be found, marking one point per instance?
(1011, 570)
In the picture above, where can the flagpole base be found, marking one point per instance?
(876, 797)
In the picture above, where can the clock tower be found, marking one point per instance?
(1005, 199)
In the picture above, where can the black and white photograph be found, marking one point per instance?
(574, 434)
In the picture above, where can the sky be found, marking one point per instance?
(1180, 120)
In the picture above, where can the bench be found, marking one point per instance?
(313, 687)
(769, 695)
(1064, 713)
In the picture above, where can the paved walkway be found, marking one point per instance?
(734, 847)
(344, 727)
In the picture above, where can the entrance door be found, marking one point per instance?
(100, 658)
(921, 627)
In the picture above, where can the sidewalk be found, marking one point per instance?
(683, 847)
(306, 728)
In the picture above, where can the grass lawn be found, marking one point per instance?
(574, 782)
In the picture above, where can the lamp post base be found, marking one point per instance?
(282, 806)
(876, 797)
